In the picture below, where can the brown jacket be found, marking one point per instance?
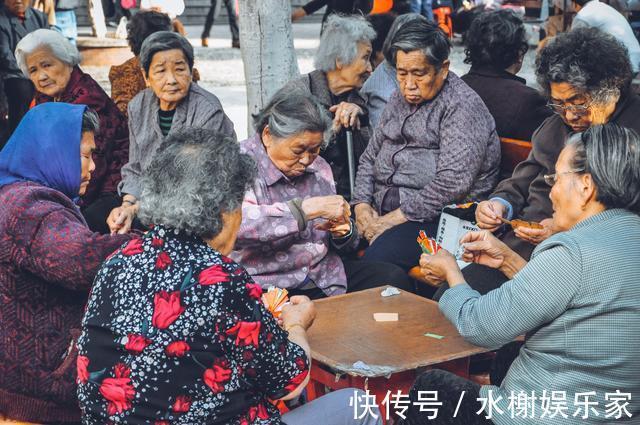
(127, 81)
(526, 190)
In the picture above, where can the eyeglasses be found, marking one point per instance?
(579, 110)
(551, 179)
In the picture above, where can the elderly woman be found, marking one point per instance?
(51, 62)
(586, 73)
(175, 331)
(16, 21)
(127, 79)
(496, 45)
(342, 65)
(582, 331)
(171, 103)
(294, 226)
(435, 145)
(49, 259)
(383, 82)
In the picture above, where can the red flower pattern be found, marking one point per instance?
(182, 404)
(296, 381)
(82, 364)
(163, 261)
(157, 242)
(246, 333)
(118, 391)
(213, 275)
(177, 349)
(134, 247)
(255, 290)
(217, 376)
(136, 343)
(167, 308)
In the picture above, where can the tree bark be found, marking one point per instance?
(269, 58)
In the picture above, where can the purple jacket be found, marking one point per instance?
(271, 244)
(439, 152)
(48, 259)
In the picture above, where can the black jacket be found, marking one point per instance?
(12, 30)
(345, 7)
(517, 109)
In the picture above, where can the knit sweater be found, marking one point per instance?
(577, 303)
(48, 259)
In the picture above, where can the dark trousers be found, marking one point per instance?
(481, 278)
(97, 212)
(449, 388)
(362, 274)
(399, 245)
(19, 92)
(231, 14)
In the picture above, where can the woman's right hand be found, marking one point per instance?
(487, 214)
(300, 311)
(332, 207)
(121, 218)
(365, 215)
(484, 248)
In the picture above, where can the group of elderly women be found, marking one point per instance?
(174, 330)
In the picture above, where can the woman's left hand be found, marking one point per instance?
(346, 115)
(435, 268)
(536, 236)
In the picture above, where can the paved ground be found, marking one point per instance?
(222, 71)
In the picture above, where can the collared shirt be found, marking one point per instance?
(270, 244)
(582, 331)
(443, 151)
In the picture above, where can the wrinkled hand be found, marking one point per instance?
(484, 248)
(536, 236)
(300, 311)
(338, 228)
(332, 207)
(365, 215)
(487, 214)
(377, 227)
(346, 115)
(121, 218)
(435, 268)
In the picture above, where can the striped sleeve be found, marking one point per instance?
(539, 293)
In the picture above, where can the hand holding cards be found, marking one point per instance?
(275, 299)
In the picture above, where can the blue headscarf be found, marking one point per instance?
(45, 148)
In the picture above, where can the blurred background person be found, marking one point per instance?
(233, 23)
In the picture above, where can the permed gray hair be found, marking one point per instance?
(290, 113)
(194, 177)
(592, 62)
(162, 41)
(90, 121)
(339, 41)
(611, 154)
(55, 42)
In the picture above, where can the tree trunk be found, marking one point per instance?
(269, 58)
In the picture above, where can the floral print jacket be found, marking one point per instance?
(175, 333)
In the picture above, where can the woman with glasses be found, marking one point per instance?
(586, 75)
(582, 331)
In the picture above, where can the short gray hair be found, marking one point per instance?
(194, 177)
(399, 22)
(162, 41)
(55, 42)
(611, 154)
(289, 113)
(90, 121)
(340, 39)
(424, 36)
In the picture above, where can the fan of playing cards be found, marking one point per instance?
(428, 245)
(274, 299)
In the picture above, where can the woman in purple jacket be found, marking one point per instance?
(48, 259)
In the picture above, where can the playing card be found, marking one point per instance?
(275, 299)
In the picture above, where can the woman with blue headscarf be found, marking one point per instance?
(48, 260)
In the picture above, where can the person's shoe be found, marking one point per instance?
(205, 42)
(235, 44)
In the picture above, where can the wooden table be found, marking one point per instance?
(345, 332)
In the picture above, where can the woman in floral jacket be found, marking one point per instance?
(175, 331)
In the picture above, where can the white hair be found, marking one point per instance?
(58, 44)
(339, 41)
